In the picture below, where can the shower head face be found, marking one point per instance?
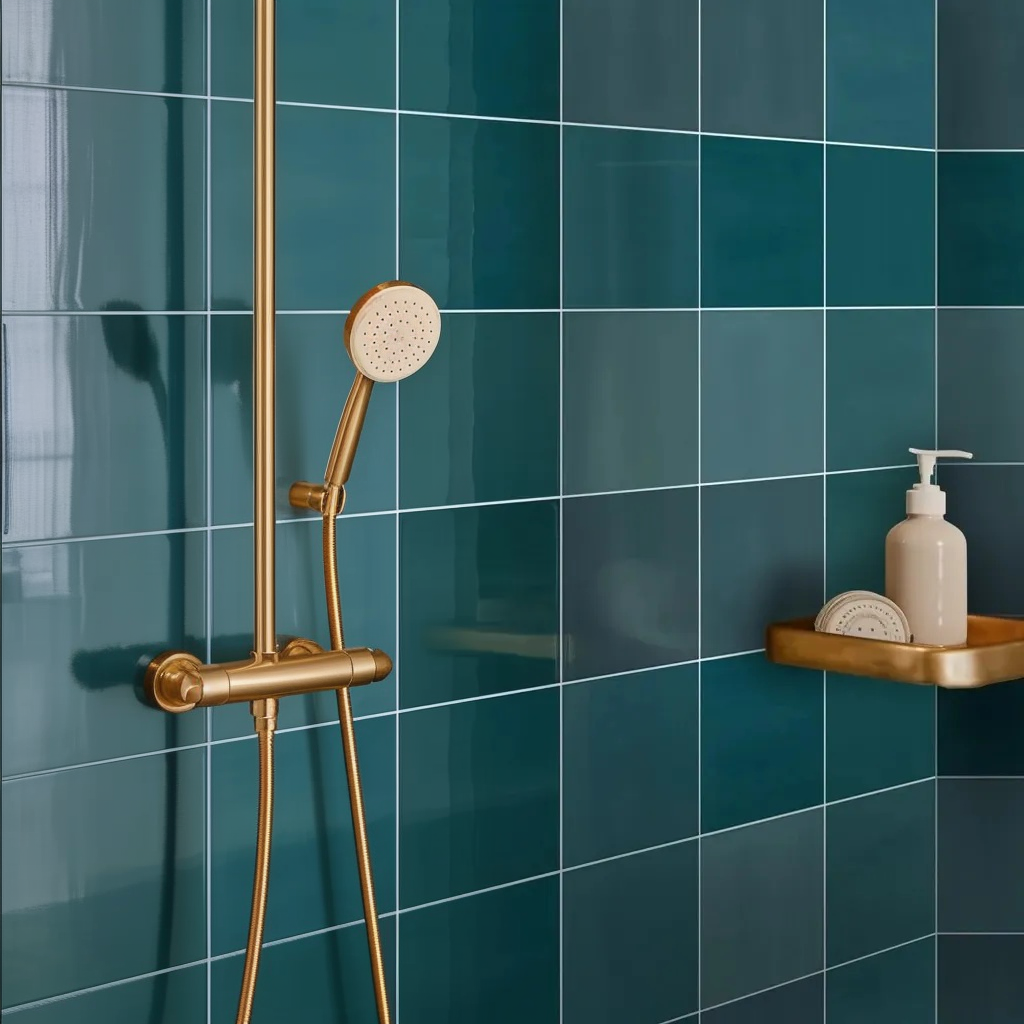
(392, 331)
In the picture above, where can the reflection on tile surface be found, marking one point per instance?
(314, 882)
(335, 215)
(491, 957)
(630, 591)
(612, 441)
(80, 623)
(480, 420)
(478, 57)
(94, 401)
(631, 64)
(102, 874)
(479, 601)
(610, 976)
(105, 44)
(642, 253)
(103, 201)
(629, 763)
(341, 54)
(494, 821)
(479, 212)
(761, 895)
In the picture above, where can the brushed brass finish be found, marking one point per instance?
(348, 742)
(178, 682)
(265, 714)
(303, 494)
(264, 308)
(994, 653)
(350, 427)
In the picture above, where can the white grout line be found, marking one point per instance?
(935, 437)
(561, 513)
(631, 853)
(700, 508)
(398, 531)
(763, 991)
(824, 501)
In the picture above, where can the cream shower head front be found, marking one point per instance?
(390, 333)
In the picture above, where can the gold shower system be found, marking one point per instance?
(389, 334)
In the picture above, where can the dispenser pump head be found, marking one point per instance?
(926, 498)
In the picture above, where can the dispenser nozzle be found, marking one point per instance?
(926, 460)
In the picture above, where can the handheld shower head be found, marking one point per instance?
(390, 333)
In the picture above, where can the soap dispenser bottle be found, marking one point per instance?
(926, 561)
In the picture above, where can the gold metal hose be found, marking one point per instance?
(332, 506)
(265, 716)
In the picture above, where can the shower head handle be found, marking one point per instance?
(350, 427)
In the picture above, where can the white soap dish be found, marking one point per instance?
(862, 613)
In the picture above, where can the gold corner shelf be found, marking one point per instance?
(994, 653)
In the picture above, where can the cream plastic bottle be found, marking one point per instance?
(926, 561)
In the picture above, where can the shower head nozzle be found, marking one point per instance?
(389, 334)
(392, 331)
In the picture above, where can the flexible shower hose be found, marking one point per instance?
(265, 715)
(348, 743)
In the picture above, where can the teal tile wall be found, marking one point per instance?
(980, 761)
(650, 429)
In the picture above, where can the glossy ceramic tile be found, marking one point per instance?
(611, 441)
(881, 227)
(479, 205)
(106, 44)
(103, 201)
(981, 848)
(313, 375)
(366, 555)
(335, 215)
(880, 69)
(748, 360)
(629, 763)
(880, 871)
(631, 64)
(93, 401)
(981, 80)
(80, 623)
(861, 508)
(897, 987)
(314, 882)
(981, 229)
(630, 588)
(480, 58)
(102, 874)
(611, 977)
(798, 1002)
(981, 736)
(761, 223)
(901, 399)
(480, 421)
(761, 900)
(880, 734)
(490, 957)
(762, 68)
(981, 360)
(981, 500)
(479, 601)
(169, 998)
(639, 254)
(761, 741)
(321, 979)
(494, 818)
(341, 54)
(980, 978)
(761, 560)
